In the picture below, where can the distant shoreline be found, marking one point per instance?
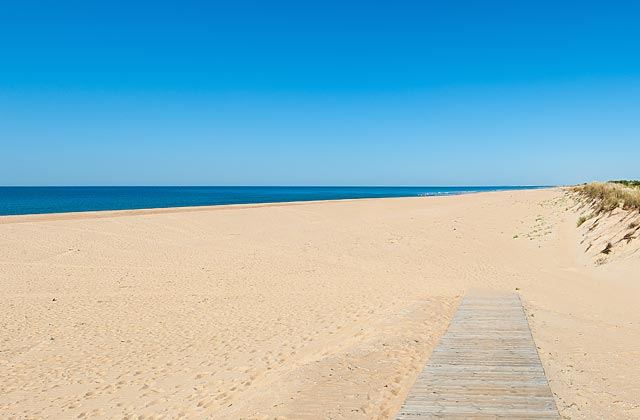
(98, 214)
(45, 201)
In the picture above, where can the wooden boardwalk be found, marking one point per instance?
(485, 366)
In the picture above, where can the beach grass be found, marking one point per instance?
(607, 196)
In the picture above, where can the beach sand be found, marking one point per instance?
(304, 310)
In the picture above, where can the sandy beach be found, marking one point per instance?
(304, 310)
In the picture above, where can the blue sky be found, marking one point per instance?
(318, 93)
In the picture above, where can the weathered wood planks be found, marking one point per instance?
(485, 366)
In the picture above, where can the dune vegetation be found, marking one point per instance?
(634, 184)
(607, 196)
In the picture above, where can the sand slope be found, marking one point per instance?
(311, 310)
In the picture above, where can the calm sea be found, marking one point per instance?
(32, 200)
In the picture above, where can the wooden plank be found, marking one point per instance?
(485, 366)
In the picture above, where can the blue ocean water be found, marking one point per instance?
(34, 200)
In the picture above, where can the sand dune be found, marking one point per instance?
(313, 310)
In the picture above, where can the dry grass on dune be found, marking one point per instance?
(608, 231)
(607, 196)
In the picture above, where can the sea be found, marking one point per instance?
(38, 200)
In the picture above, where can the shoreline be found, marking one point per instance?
(100, 214)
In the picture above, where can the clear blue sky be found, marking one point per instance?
(318, 93)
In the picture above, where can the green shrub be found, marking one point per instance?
(626, 183)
